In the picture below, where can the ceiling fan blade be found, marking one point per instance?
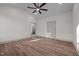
(35, 5)
(44, 9)
(34, 11)
(40, 12)
(42, 4)
(31, 7)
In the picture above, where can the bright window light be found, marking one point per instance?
(77, 31)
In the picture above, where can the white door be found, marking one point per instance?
(51, 29)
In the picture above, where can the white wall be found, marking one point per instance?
(75, 24)
(64, 26)
(41, 28)
(75, 19)
(14, 24)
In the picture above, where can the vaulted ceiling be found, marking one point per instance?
(53, 8)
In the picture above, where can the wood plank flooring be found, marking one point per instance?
(37, 46)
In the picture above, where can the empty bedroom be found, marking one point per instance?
(39, 29)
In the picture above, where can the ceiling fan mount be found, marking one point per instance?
(38, 8)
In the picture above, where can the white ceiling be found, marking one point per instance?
(53, 8)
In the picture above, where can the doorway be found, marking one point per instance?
(33, 29)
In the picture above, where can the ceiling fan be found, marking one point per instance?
(38, 8)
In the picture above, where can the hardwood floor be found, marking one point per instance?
(37, 46)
